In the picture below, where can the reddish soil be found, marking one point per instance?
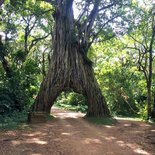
(69, 134)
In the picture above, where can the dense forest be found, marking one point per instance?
(114, 37)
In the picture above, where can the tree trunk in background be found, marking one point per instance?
(149, 102)
(69, 69)
(153, 109)
(149, 84)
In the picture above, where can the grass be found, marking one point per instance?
(128, 118)
(49, 117)
(17, 121)
(13, 121)
(103, 121)
(80, 108)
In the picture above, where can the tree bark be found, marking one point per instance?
(69, 68)
(149, 101)
(4, 61)
(149, 108)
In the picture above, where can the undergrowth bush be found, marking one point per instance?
(12, 120)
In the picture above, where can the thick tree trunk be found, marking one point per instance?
(69, 69)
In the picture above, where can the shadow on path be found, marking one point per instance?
(69, 134)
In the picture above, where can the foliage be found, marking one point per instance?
(21, 31)
(142, 110)
(72, 101)
(116, 79)
(120, 79)
(13, 120)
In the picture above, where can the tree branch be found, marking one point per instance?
(36, 40)
(137, 41)
(106, 7)
(96, 34)
(140, 59)
(81, 15)
(90, 19)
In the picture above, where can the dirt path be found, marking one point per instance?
(69, 134)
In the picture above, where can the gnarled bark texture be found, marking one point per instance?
(69, 68)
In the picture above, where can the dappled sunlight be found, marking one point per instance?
(120, 143)
(66, 134)
(68, 125)
(140, 151)
(92, 141)
(127, 125)
(10, 133)
(57, 139)
(49, 125)
(70, 134)
(136, 149)
(132, 146)
(29, 141)
(34, 134)
(108, 126)
(37, 141)
(112, 141)
(109, 138)
(137, 131)
(37, 154)
(15, 142)
(145, 125)
(130, 119)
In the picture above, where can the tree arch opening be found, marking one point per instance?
(71, 100)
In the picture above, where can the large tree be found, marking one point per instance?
(70, 68)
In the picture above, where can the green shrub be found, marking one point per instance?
(142, 110)
(12, 120)
(72, 101)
